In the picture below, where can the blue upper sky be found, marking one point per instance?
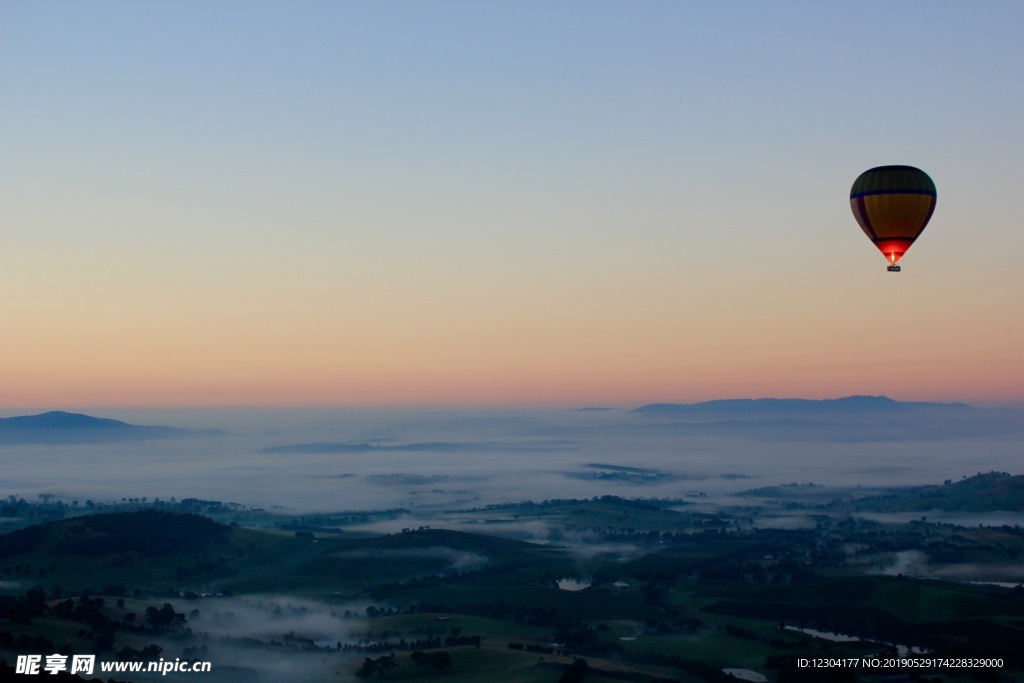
(420, 202)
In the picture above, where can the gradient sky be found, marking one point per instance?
(460, 203)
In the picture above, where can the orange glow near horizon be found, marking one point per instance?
(535, 373)
(629, 339)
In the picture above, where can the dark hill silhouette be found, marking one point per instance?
(147, 532)
(994, 491)
(58, 427)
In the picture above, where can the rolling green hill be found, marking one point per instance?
(156, 550)
(991, 492)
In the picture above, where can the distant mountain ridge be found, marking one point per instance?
(59, 427)
(852, 418)
(775, 406)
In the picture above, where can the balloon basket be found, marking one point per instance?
(893, 268)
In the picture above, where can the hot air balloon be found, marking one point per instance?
(892, 205)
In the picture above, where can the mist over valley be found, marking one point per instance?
(328, 460)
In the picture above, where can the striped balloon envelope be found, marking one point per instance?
(893, 205)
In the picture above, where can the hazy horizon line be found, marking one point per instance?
(578, 406)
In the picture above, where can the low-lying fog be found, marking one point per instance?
(271, 638)
(306, 460)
